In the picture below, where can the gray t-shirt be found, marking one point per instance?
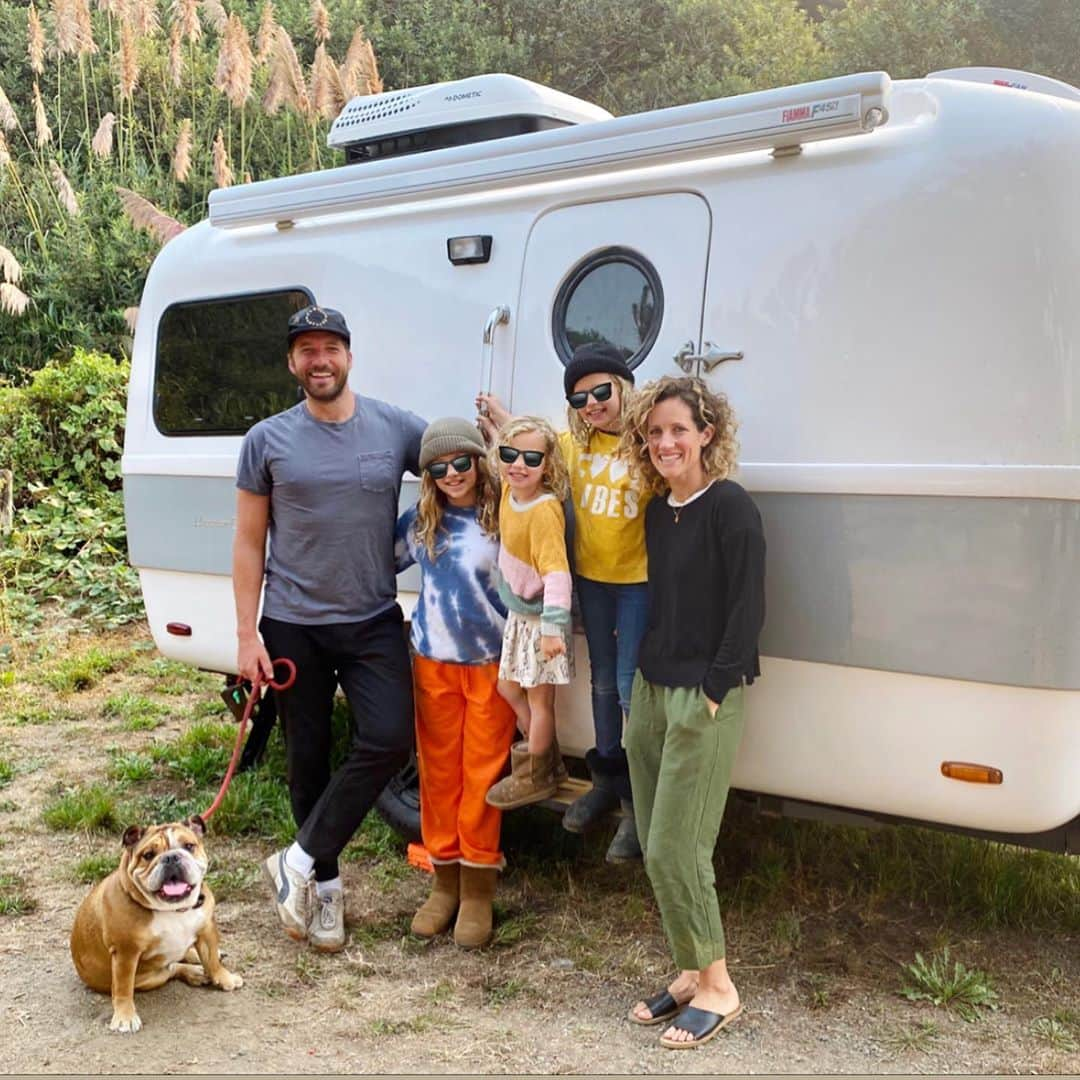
(333, 491)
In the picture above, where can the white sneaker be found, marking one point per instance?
(290, 889)
(326, 930)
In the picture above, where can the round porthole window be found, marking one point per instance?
(615, 296)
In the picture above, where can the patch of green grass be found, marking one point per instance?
(158, 807)
(8, 806)
(85, 671)
(919, 1038)
(91, 809)
(36, 714)
(7, 771)
(373, 931)
(782, 863)
(956, 987)
(501, 991)
(234, 881)
(256, 805)
(415, 1025)
(202, 753)
(1055, 1034)
(131, 768)
(209, 708)
(787, 931)
(93, 868)
(137, 712)
(374, 840)
(14, 900)
(816, 987)
(171, 677)
(512, 928)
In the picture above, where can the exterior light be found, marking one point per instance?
(971, 773)
(462, 250)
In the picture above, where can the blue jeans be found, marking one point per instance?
(615, 617)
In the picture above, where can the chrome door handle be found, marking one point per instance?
(686, 358)
(497, 318)
(714, 356)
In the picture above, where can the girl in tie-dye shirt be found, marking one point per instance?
(464, 727)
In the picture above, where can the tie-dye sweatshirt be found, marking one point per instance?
(534, 573)
(459, 617)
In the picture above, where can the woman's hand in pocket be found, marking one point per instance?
(711, 705)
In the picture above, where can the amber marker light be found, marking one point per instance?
(972, 774)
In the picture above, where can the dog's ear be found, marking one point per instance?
(196, 824)
(132, 835)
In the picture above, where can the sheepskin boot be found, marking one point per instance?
(437, 912)
(531, 780)
(473, 926)
(521, 749)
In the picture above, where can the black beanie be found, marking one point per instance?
(593, 357)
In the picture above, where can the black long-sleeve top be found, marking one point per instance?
(706, 591)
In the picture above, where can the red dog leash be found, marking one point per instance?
(256, 686)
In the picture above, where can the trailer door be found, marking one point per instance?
(630, 271)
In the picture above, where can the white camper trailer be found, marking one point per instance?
(883, 276)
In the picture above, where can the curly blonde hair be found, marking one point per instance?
(706, 407)
(581, 429)
(555, 477)
(430, 504)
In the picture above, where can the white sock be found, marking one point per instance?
(324, 887)
(299, 860)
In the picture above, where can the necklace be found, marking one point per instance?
(676, 511)
(678, 507)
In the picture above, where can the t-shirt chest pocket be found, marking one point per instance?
(376, 470)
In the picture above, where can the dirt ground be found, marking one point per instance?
(820, 989)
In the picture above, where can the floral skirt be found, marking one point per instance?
(522, 660)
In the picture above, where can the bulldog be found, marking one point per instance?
(150, 920)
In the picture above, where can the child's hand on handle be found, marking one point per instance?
(491, 414)
(552, 645)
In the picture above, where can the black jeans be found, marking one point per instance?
(370, 661)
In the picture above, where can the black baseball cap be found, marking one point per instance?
(314, 317)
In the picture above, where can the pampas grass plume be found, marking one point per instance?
(129, 60)
(103, 138)
(42, 131)
(235, 63)
(143, 214)
(292, 76)
(64, 190)
(327, 92)
(8, 120)
(131, 317)
(264, 36)
(65, 27)
(84, 29)
(223, 176)
(182, 152)
(215, 14)
(9, 265)
(35, 40)
(185, 14)
(320, 21)
(5, 153)
(12, 299)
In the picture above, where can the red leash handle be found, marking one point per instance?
(256, 686)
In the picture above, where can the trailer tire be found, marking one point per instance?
(399, 803)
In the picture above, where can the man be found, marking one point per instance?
(323, 479)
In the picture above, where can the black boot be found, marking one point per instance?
(624, 846)
(592, 808)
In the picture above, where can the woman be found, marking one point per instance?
(609, 569)
(706, 555)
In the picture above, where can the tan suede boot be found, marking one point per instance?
(530, 781)
(520, 750)
(473, 926)
(437, 912)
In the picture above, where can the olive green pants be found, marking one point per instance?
(680, 771)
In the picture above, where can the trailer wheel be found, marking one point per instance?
(399, 803)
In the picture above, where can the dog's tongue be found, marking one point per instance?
(176, 888)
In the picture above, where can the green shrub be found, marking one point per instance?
(61, 435)
(91, 809)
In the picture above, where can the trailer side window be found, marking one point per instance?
(221, 363)
(613, 296)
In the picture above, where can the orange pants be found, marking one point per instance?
(463, 733)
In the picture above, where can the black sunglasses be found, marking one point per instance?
(601, 392)
(438, 469)
(510, 454)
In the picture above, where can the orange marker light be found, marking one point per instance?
(972, 774)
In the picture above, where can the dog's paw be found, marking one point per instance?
(228, 981)
(125, 1023)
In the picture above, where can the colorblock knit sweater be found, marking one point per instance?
(534, 572)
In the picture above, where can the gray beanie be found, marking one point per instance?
(450, 435)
